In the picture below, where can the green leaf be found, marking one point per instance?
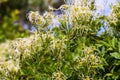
(115, 55)
(104, 43)
(108, 74)
(113, 42)
(119, 47)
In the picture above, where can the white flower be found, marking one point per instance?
(11, 66)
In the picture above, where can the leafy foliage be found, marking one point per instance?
(72, 51)
(11, 28)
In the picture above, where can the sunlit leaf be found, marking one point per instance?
(108, 74)
(115, 55)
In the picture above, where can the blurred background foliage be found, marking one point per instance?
(13, 21)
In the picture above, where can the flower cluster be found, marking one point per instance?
(58, 76)
(59, 54)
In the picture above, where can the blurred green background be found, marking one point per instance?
(13, 21)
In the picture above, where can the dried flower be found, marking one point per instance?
(36, 19)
